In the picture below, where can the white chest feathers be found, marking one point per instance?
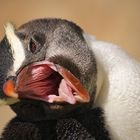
(119, 95)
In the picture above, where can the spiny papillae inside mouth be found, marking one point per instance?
(41, 82)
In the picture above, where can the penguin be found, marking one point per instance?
(31, 48)
(91, 77)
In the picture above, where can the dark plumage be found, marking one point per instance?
(67, 129)
(83, 127)
(71, 129)
(6, 60)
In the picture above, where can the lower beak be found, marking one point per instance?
(9, 91)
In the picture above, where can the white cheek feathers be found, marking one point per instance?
(16, 46)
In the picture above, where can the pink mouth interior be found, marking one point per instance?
(48, 82)
(40, 81)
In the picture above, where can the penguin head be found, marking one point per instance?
(51, 69)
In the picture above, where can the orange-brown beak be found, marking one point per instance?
(74, 83)
(38, 81)
(9, 89)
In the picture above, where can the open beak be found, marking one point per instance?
(75, 91)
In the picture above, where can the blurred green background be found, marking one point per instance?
(117, 21)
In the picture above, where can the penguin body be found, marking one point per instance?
(62, 51)
(81, 127)
(119, 95)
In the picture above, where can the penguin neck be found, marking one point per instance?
(100, 80)
(100, 72)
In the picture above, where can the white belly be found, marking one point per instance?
(120, 93)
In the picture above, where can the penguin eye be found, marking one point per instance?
(33, 46)
(36, 42)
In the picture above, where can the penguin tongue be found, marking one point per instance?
(65, 94)
(48, 82)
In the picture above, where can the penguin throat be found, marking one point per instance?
(50, 83)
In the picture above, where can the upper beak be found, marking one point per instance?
(74, 83)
